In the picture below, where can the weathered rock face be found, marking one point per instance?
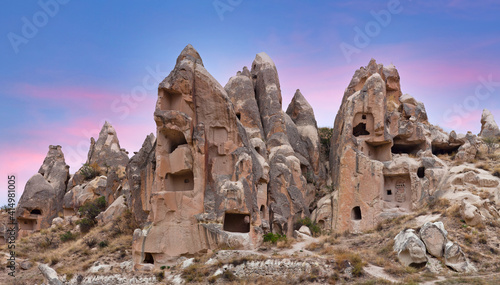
(42, 197)
(489, 127)
(307, 143)
(140, 176)
(383, 151)
(289, 196)
(109, 162)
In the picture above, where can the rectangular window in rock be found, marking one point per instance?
(397, 191)
(182, 181)
(362, 124)
(237, 223)
(25, 224)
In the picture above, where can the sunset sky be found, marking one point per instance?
(67, 66)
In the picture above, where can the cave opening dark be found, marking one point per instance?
(36, 212)
(356, 213)
(360, 130)
(421, 172)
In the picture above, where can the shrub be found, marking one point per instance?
(274, 238)
(325, 136)
(90, 242)
(85, 225)
(89, 212)
(89, 171)
(125, 225)
(67, 236)
(103, 244)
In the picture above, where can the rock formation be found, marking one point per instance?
(42, 196)
(383, 151)
(489, 127)
(225, 171)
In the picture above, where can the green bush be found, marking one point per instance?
(67, 236)
(313, 226)
(89, 171)
(274, 238)
(103, 243)
(89, 212)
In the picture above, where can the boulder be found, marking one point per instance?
(471, 214)
(489, 127)
(455, 258)
(305, 230)
(25, 265)
(114, 211)
(434, 237)
(410, 249)
(49, 274)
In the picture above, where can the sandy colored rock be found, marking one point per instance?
(42, 198)
(410, 249)
(434, 237)
(489, 127)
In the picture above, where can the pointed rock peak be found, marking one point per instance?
(191, 54)
(246, 72)
(485, 115)
(300, 111)
(300, 100)
(262, 61)
(54, 155)
(107, 129)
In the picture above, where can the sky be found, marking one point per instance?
(69, 65)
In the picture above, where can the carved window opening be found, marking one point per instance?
(389, 192)
(360, 130)
(174, 139)
(238, 115)
(148, 258)
(182, 181)
(171, 100)
(237, 223)
(356, 213)
(421, 172)
(400, 146)
(28, 225)
(36, 212)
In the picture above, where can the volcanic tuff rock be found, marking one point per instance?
(383, 156)
(489, 127)
(42, 196)
(225, 170)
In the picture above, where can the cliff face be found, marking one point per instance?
(228, 165)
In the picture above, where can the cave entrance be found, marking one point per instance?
(236, 223)
(181, 181)
(36, 212)
(356, 213)
(400, 146)
(447, 150)
(148, 258)
(360, 130)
